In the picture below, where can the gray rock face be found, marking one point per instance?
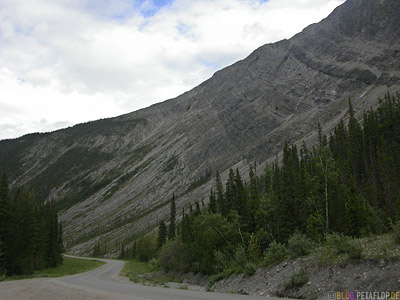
(114, 177)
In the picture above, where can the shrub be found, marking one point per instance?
(297, 281)
(231, 264)
(250, 268)
(240, 258)
(154, 264)
(275, 253)
(299, 245)
(354, 249)
(146, 248)
(254, 249)
(223, 260)
(215, 278)
(174, 255)
(341, 244)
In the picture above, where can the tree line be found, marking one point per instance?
(30, 234)
(347, 184)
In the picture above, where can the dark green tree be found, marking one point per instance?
(162, 234)
(171, 229)
(4, 222)
(220, 195)
(212, 206)
(229, 198)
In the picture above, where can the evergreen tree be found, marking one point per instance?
(240, 202)
(162, 234)
(171, 229)
(212, 207)
(4, 222)
(122, 253)
(254, 192)
(134, 250)
(221, 207)
(96, 250)
(3, 270)
(229, 198)
(197, 206)
(24, 233)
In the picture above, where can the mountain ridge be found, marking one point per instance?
(113, 178)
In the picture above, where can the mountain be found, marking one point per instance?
(113, 178)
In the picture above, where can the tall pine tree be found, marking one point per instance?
(171, 229)
(162, 234)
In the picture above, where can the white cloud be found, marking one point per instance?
(70, 61)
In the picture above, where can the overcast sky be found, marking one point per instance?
(64, 62)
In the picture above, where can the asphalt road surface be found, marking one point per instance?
(102, 283)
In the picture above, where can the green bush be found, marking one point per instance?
(240, 258)
(341, 244)
(174, 255)
(297, 281)
(354, 249)
(146, 248)
(254, 249)
(299, 245)
(215, 278)
(250, 268)
(275, 253)
(154, 264)
(223, 260)
(231, 264)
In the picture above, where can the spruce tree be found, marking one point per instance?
(3, 269)
(220, 194)
(122, 253)
(162, 234)
(4, 222)
(229, 199)
(212, 207)
(171, 229)
(240, 198)
(24, 232)
(197, 206)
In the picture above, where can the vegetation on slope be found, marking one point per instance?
(346, 187)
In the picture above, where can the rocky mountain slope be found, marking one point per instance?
(113, 178)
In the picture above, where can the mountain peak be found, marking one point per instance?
(369, 19)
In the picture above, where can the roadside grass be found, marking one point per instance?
(147, 273)
(70, 266)
(134, 270)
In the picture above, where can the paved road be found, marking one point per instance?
(102, 283)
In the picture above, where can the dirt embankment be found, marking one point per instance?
(307, 280)
(303, 279)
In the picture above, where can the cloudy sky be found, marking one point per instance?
(64, 62)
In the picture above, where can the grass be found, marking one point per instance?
(147, 274)
(134, 269)
(70, 266)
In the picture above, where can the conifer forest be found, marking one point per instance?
(30, 234)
